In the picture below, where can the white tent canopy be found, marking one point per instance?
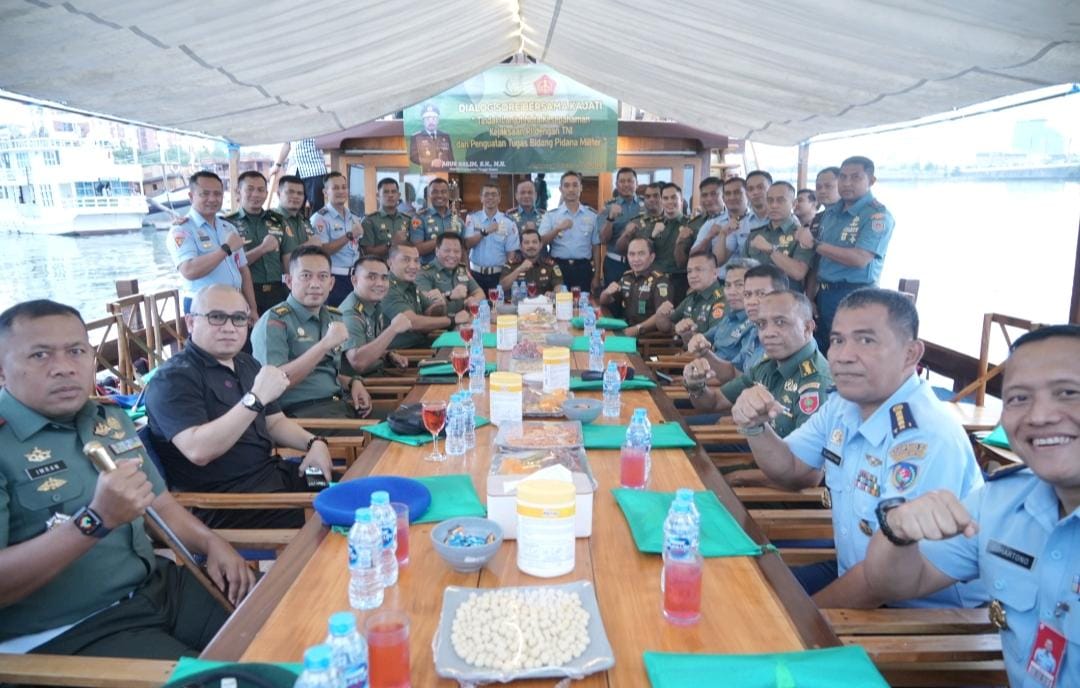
(775, 72)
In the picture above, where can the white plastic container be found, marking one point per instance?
(556, 369)
(505, 397)
(503, 482)
(545, 510)
(506, 328)
(564, 305)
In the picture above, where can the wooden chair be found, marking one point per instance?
(925, 647)
(986, 373)
(166, 323)
(134, 337)
(106, 349)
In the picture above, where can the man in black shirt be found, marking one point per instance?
(214, 419)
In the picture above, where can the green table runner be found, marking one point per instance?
(645, 512)
(187, 667)
(448, 369)
(383, 430)
(603, 323)
(453, 339)
(633, 383)
(664, 436)
(997, 438)
(613, 344)
(451, 495)
(833, 667)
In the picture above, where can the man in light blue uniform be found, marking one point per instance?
(1020, 534)
(612, 220)
(741, 219)
(713, 218)
(429, 223)
(340, 231)
(854, 237)
(571, 233)
(491, 237)
(725, 337)
(885, 434)
(206, 249)
(526, 215)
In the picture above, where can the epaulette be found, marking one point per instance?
(808, 368)
(657, 273)
(901, 418)
(429, 266)
(323, 210)
(283, 309)
(231, 216)
(875, 203)
(333, 310)
(359, 306)
(1005, 471)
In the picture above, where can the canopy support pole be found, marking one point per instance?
(804, 161)
(1074, 311)
(234, 172)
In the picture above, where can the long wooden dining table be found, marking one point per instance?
(749, 604)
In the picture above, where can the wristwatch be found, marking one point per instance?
(227, 249)
(251, 403)
(89, 523)
(349, 235)
(882, 511)
(314, 439)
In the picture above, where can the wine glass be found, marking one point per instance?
(434, 415)
(532, 288)
(459, 358)
(493, 296)
(466, 332)
(474, 308)
(623, 367)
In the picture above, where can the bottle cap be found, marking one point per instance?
(363, 515)
(342, 623)
(380, 497)
(317, 657)
(684, 494)
(612, 367)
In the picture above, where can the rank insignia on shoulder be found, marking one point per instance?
(101, 429)
(125, 445)
(359, 306)
(807, 368)
(901, 418)
(333, 310)
(282, 310)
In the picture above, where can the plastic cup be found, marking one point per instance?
(402, 513)
(387, 635)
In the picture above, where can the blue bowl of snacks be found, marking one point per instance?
(582, 409)
(468, 542)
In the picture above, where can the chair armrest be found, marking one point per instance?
(93, 672)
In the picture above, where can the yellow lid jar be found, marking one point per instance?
(545, 512)
(505, 397)
(564, 305)
(556, 369)
(506, 328)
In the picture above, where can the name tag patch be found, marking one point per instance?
(125, 445)
(1000, 549)
(43, 470)
(831, 456)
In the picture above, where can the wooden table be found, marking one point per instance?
(750, 604)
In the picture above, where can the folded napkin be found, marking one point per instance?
(632, 383)
(451, 495)
(613, 344)
(383, 430)
(664, 436)
(721, 536)
(448, 369)
(997, 438)
(832, 667)
(603, 323)
(453, 338)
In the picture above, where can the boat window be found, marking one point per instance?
(356, 189)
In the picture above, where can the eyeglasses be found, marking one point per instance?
(218, 318)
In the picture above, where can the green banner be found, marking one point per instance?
(514, 119)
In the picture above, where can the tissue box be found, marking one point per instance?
(509, 468)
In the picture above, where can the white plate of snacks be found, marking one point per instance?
(505, 634)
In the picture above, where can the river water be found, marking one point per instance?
(976, 247)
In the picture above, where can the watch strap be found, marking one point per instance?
(226, 248)
(89, 523)
(882, 511)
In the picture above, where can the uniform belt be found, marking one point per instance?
(481, 270)
(615, 257)
(573, 261)
(826, 286)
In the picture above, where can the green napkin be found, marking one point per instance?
(632, 383)
(997, 438)
(832, 667)
(613, 344)
(664, 436)
(645, 512)
(383, 430)
(453, 338)
(448, 369)
(603, 323)
(189, 666)
(451, 495)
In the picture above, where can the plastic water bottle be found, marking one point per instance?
(645, 423)
(635, 461)
(349, 651)
(365, 547)
(318, 669)
(596, 351)
(455, 425)
(482, 322)
(685, 494)
(469, 415)
(588, 316)
(521, 291)
(477, 365)
(681, 577)
(612, 382)
(502, 294)
(384, 517)
(583, 302)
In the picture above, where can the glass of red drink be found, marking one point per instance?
(623, 367)
(532, 288)
(493, 296)
(682, 590)
(402, 512)
(474, 309)
(434, 415)
(387, 635)
(633, 468)
(576, 293)
(466, 332)
(459, 358)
